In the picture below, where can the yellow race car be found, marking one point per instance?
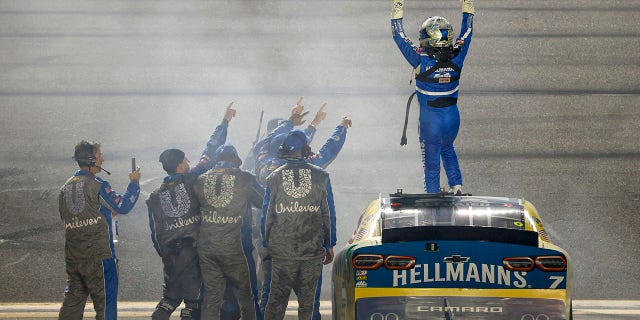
(440, 256)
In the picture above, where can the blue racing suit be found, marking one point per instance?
(329, 151)
(437, 91)
(260, 151)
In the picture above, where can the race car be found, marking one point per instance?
(445, 256)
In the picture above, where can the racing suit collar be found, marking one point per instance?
(172, 177)
(299, 160)
(224, 164)
(83, 172)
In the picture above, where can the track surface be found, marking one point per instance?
(549, 106)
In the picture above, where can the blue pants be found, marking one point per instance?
(438, 130)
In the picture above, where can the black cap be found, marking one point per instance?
(170, 160)
(228, 152)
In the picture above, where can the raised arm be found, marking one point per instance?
(218, 138)
(121, 204)
(296, 118)
(333, 145)
(466, 30)
(408, 49)
(310, 130)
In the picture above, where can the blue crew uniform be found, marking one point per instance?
(437, 94)
(261, 153)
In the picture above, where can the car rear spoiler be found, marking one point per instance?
(460, 233)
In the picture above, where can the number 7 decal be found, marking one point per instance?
(556, 281)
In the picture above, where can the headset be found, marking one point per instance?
(85, 156)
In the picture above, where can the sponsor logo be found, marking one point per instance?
(459, 272)
(459, 309)
(439, 70)
(76, 223)
(297, 189)
(176, 205)
(222, 196)
(74, 197)
(295, 207)
(180, 223)
(213, 217)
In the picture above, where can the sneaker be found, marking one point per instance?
(456, 190)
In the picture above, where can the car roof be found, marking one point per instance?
(401, 210)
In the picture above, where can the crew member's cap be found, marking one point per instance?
(294, 141)
(227, 152)
(276, 142)
(170, 159)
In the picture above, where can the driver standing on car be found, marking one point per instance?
(437, 64)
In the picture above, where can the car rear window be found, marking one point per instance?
(497, 213)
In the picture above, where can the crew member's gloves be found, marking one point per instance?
(396, 9)
(467, 6)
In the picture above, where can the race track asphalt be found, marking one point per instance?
(549, 105)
